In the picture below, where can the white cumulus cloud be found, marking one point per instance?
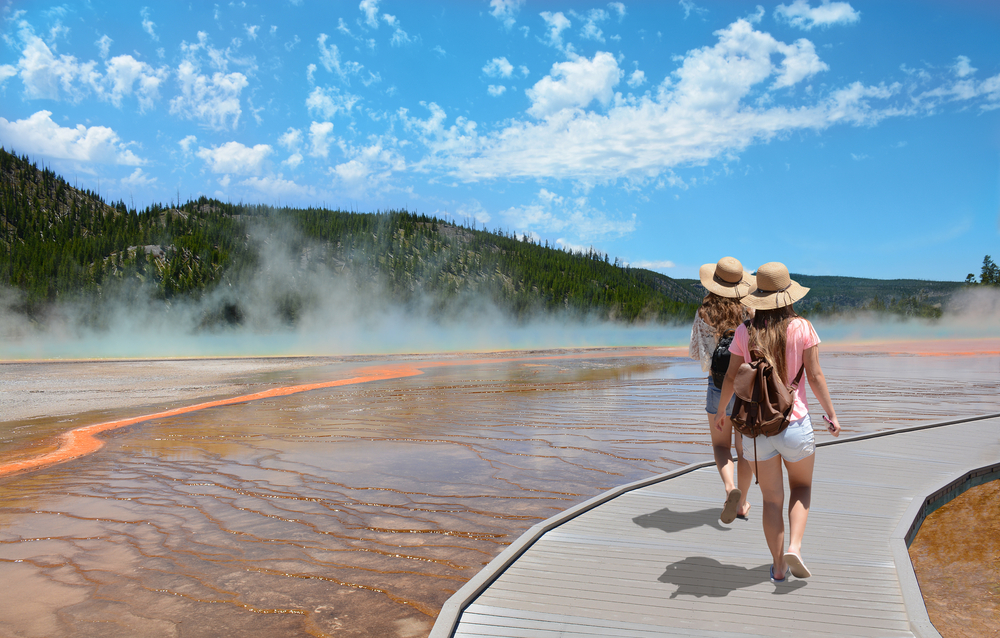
(368, 167)
(637, 79)
(7, 71)
(235, 158)
(591, 30)
(104, 45)
(557, 23)
(319, 138)
(498, 67)
(506, 11)
(213, 100)
(125, 75)
(496, 90)
(370, 10)
(291, 139)
(963, 67)
(800, 14)
(46, 75)
(717, 103)
(138, 179)
(575, 84)
(39, 135)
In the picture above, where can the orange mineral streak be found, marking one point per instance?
(988, 346)
(82, 441)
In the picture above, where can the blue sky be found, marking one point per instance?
(858, 139)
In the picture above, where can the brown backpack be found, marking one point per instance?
(763, 403)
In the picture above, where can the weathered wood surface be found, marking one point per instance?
(655, 560)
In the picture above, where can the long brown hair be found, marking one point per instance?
(770, 336)
(722, 313)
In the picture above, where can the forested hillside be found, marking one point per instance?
(238, 263)
(61, 244)
(832, 295)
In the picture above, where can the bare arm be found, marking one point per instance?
(817, 382)
(735, 361)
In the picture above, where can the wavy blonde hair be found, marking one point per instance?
(769, 337)
(722, 313)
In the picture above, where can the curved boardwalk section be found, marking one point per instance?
(652, 558)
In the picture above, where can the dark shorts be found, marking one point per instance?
(712, 400)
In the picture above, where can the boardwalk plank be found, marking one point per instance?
(655, 561)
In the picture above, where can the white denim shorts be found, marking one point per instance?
(794, 443)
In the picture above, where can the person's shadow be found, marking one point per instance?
(671, 522)
(702, 576)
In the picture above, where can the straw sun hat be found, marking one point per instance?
(775, 289)
(726, 278)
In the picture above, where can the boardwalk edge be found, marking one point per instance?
(906, 531)
(451, 612)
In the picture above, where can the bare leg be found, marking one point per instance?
(744, 473)
(772, 490)
(799, 494)
(721, 447)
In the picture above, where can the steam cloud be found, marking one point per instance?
(296, 304)
(335, 312)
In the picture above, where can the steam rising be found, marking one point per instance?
(296, 304)
(971, 313)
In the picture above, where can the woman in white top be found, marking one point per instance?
(718, 316)
(789, 343)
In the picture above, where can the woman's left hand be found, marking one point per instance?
(832, 425)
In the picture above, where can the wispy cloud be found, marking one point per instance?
(702, 112)
(506, 11)
(800, 14)
(553, 213)
(148, 25)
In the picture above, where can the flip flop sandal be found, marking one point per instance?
(796, 566)
(730, 506)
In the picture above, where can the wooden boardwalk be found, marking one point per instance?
(652, 559)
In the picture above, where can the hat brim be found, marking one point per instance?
(768, 300)
(738, 290)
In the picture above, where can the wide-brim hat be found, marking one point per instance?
(775, 288)
(727, 278)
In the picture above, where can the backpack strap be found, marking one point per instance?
(798, 377)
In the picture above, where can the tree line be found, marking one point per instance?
(62, 243)
(989, 275)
